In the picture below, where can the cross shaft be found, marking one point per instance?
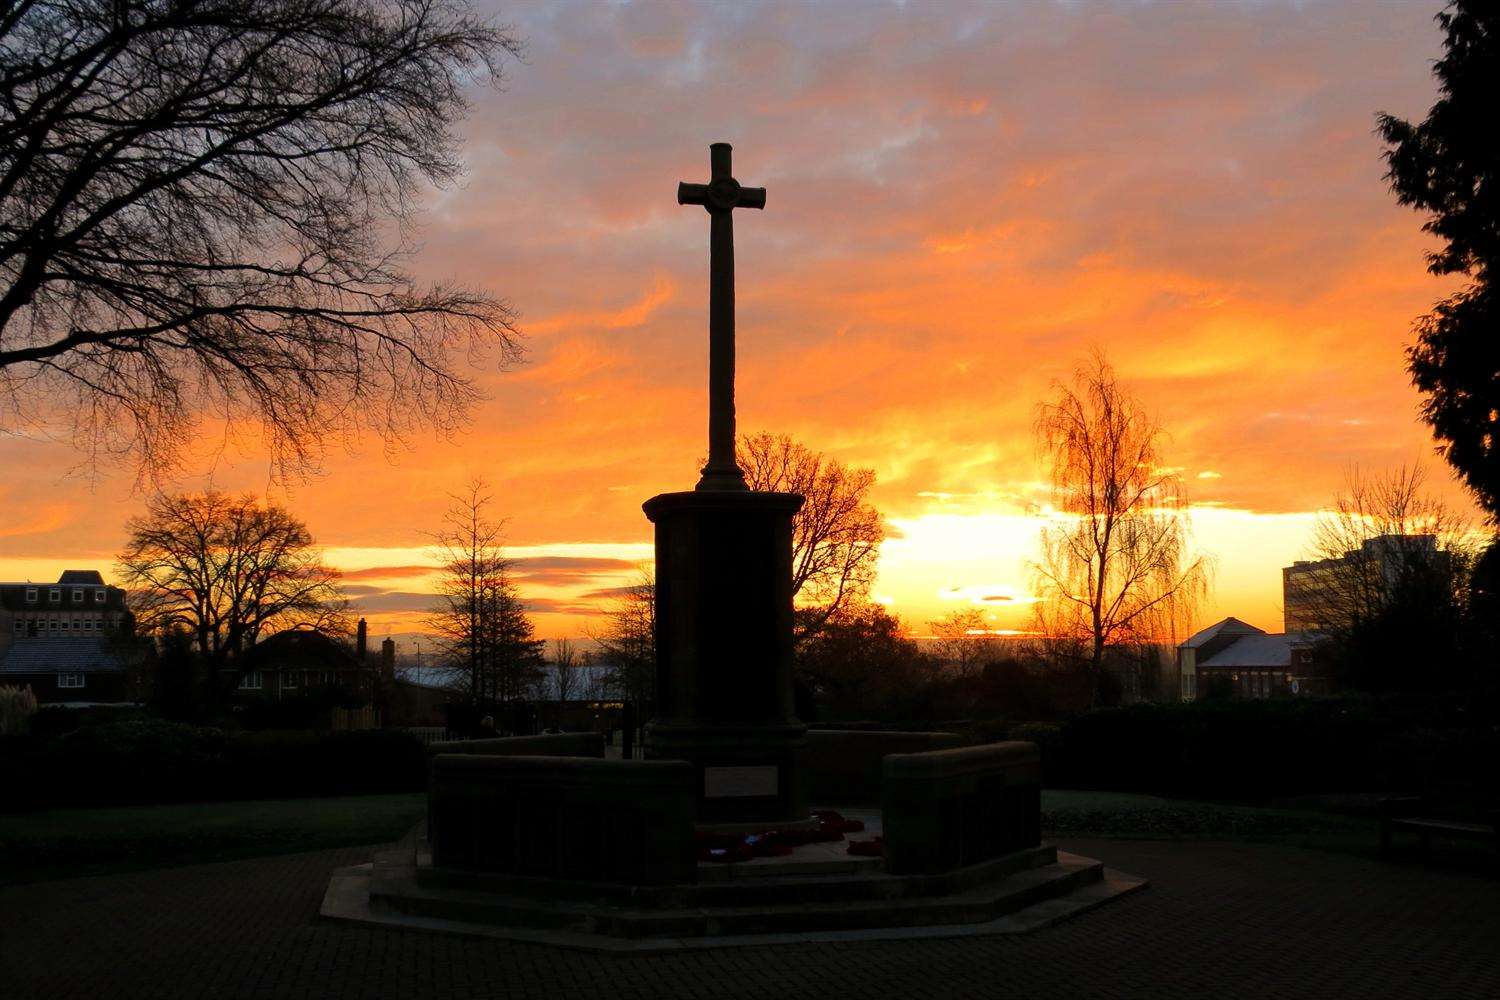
(720, 197)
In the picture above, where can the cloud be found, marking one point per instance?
(394, 600)
(387, 572)
(962, 198)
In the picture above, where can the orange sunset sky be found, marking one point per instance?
(961, 201)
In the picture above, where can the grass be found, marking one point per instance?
(1117, 814)
(68, 842)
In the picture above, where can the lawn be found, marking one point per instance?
(66, 842)
(1117, 814)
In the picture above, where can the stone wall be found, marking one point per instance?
(948, 809)
(573, 818)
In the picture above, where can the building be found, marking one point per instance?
(1242, 661)
(297, 661)
(1319, 595)
(65, 639)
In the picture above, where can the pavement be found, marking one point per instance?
(1219, 920)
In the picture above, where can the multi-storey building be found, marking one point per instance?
(58, 638)
(1321, 595)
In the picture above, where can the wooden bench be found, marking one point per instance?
(1425, 817)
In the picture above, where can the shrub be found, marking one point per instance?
(1253, 749)
(157, 761)
(17, 706)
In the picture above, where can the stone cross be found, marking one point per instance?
(721, 196)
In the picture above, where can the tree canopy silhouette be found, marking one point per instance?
(225, 570)
(1449, 166)
(835, 536)
(203, 209)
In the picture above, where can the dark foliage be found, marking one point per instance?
(144, 761)
(1236, 749)
(1449, 166)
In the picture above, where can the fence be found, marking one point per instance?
(346, 719)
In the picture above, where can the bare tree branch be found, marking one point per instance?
(203, 211)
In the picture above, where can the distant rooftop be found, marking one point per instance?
(72, 655)
(1227, 627)
(82, 577)
(1255, 651)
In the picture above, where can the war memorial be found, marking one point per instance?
(740, 826)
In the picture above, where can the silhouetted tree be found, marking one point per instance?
(203, 208)
(564, 664)
(863, 665)
(225, 569)
(1449, 166)
(627, 643)
(1117, 553)
(835, 536)
(484, 633)
(961, 641)
(1391, 589)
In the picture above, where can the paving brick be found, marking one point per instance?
(1223, 920)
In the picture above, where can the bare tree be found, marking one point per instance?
(1382, 536)
(962, 641)
(564, 669)
(224, 569)
(204, 208)
(835, 536)
(1116, 556)
(627, 643)
(481, 623)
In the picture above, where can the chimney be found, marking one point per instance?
(388, 659)
(360, 637)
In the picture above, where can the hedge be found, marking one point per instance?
(1261, 749)
(148, 761)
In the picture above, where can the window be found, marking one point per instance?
(70, 680)
(30, 595)
(289, 679)
(99, 596)
(251, 681)
(64, 624)
(77, 595)
(88, 625)
(20, 625)
(51, 624)
(54, 595)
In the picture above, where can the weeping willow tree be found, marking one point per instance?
(1116, 569)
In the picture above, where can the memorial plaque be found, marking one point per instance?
(739, 782)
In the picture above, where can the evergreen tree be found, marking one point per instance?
(1449, 166)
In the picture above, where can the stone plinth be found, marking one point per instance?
(948, 809)
(724, 652)
(563, 818)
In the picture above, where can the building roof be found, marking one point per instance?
(70, 655)
(299, 649)
(1255, 651)
(89, 577)
(1227, 627)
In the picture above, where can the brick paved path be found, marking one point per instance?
(1224, 920)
